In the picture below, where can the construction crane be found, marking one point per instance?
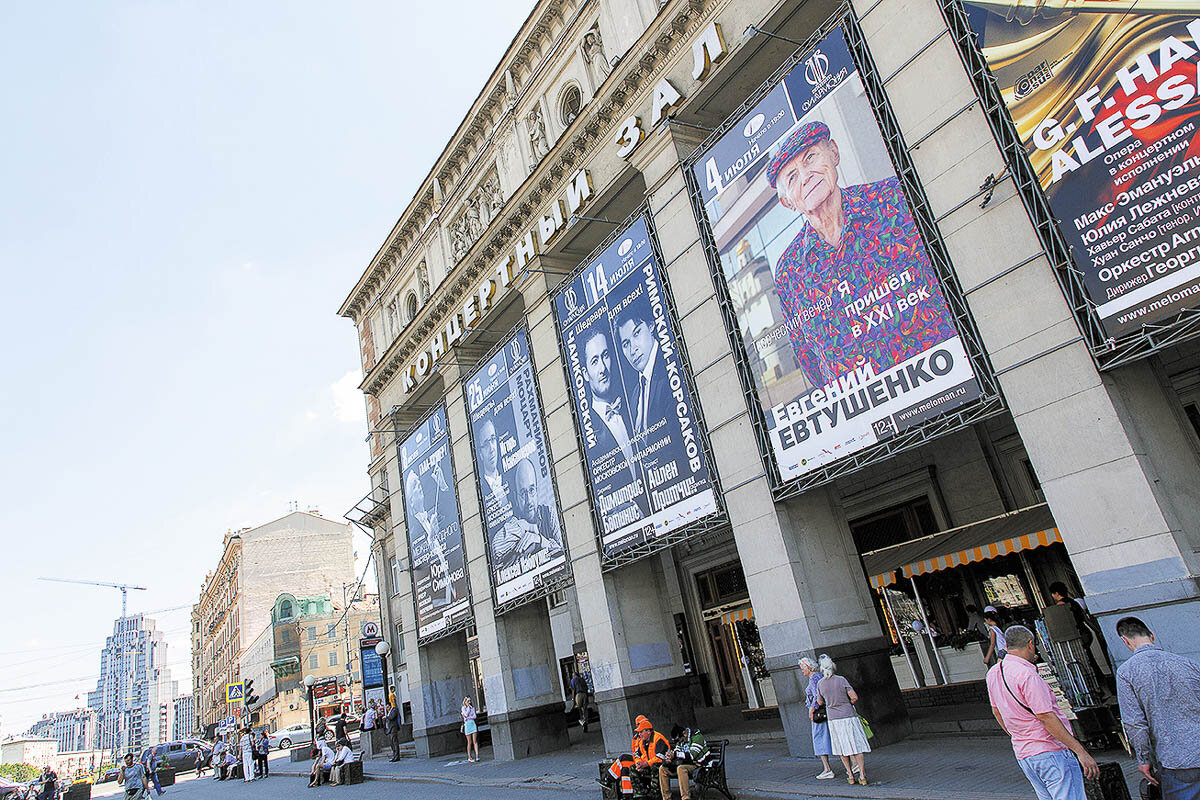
(124, 587)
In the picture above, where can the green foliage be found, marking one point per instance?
(19, 772)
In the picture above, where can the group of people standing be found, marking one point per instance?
(250, 749)
(837, 728)
(386, 716)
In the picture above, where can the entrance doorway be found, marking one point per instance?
(729, 671)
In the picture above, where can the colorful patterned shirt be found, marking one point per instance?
(829, 292)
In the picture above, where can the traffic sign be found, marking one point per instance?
(234, 692)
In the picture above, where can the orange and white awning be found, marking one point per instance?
(1026, 529)
(737, 615)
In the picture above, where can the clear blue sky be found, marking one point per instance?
(190, 189)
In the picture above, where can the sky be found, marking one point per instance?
(189, 191)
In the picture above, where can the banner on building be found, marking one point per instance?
(521, 519)
(372, 670)
(435, 544)
(644, 457)
(841, 314)
(1106, 102)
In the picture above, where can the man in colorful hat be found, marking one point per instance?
(857, 260)
(641, 765)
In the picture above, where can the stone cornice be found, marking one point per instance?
(660, 46)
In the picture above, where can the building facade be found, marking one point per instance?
(183, 724)
(36, 751)
(308, 636)
(72, 730)
(625, 339)
(300, 552)
(134, 684)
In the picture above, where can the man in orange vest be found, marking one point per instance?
(648, 748)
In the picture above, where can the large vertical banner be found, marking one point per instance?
(842, 316)
(644, 458)
(515, 476)
(1106, 101)
(435, 544)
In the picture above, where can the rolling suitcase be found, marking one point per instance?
(1110, 786)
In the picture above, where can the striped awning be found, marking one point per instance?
(1025, 529)
(737, 615)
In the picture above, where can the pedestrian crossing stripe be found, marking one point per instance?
(234, 692)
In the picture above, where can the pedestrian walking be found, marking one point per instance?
(391, 724)
(133, 777)
(150, 763)
(1025, 707)
(368, 723)
(339, 729)
(822, 748)
(995, 649)
(469, 728)
(49, 779)
(199, 763)
(579, 692)
(1159, 694)
(846, 735)
(246, 742)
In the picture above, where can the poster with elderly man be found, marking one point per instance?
(435, 543)
(842, 316)
(514, 471)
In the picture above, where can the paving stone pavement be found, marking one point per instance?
(930, 768)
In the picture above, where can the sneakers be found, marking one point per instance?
(826, 775)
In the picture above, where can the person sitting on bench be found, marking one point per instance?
(228, 762)
(688, 750)
(322, 764)
(341, 758)
(649, 747)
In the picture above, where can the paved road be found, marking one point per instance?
(292, 788)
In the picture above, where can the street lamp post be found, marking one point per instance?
(309, 680)
(382, 649)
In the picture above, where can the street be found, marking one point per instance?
(286, 787)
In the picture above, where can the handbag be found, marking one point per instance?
(820, 714)
(866, 727)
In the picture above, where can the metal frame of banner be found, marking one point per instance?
(719, 519)
(567, 578)
(990, 402)
(1106, 351)
(468, 618)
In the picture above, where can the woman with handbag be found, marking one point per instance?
(469, 728)
(846, 734)
(816, 712)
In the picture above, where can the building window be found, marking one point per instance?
(398, 654)
(332, 631)
(410, 307)
(312, 633)
(287, 635)
(898, 524)
(333, 658)
(395, 576)
(556, 599)
(570, 105)
(313, 661)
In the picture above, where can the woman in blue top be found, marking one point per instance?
(469, 728)
(820, 730)
(995, 651)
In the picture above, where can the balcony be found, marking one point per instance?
(372, 509)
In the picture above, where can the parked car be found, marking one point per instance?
(181, 754)
(292, 735)
(109, 775)
(353, 723)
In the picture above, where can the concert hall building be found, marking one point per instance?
(726, 333)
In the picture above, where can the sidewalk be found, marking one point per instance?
(931, 768)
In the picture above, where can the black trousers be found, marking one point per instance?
(394, 739)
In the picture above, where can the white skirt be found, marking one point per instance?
(847, 737)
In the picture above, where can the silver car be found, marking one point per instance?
(291, 735)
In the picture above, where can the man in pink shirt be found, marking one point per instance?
(1041, 737)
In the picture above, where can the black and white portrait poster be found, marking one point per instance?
(513, 468)
(434, 533)
(643, 455)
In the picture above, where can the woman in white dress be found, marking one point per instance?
(247, 743)
(845, 730)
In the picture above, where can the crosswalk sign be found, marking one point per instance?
(234, 692)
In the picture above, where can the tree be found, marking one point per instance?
(19, 772)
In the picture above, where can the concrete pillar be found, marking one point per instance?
(1110, 450)
(802, 569)
(443, 676)
(636, 666)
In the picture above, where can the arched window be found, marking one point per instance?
(410, 307)
(285, 609)
(570, 104)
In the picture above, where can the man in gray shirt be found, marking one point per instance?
(133, 775)
(1159, 693)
